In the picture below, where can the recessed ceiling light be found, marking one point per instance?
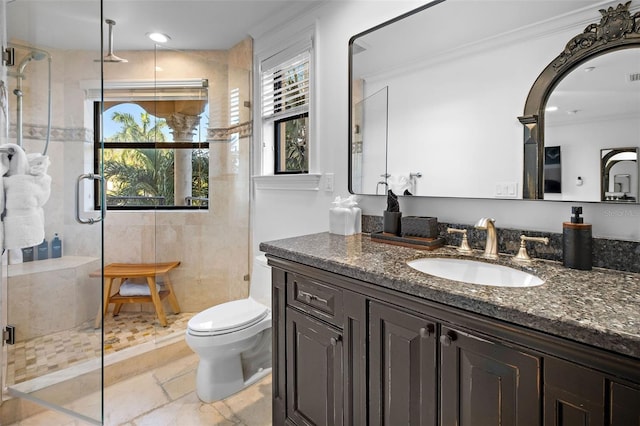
(551, 108)
(159, 37)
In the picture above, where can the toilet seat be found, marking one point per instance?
(227, 318)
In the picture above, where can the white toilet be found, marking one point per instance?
(233, 339)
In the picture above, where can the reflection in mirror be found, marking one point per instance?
(585, 100)
(453, 101)
(619, 171)
(552, 170)
(369, 166)
(594, 105)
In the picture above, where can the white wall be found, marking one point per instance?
(279, 214)
(582, 142)
(462, 133)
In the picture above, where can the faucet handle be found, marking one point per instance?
(523, 256)
(464, 245)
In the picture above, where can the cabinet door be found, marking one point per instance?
(625, 405)
(314, 371)
(402, 367)
(487, 383)
(573, 395)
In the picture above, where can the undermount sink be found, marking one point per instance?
(474, 272)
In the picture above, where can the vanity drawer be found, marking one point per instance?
(318, 299)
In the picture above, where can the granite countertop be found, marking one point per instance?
(600, 307)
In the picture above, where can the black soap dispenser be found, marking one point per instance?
(576, 242)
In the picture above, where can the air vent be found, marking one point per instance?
(634, 77)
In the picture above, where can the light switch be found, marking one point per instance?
(328, 182)
(506, 190)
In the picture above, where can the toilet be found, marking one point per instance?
(233, 339)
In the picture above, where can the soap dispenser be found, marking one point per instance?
(576, 242)
(56, 247)
(43, 250)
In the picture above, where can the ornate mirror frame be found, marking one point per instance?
(617, 29)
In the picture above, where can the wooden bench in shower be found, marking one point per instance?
(122, 271)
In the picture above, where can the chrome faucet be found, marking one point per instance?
(491, 246)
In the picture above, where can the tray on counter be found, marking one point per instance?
(413, 242)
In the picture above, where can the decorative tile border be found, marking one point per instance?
(611, 254)
(221, 134)
(37, 131)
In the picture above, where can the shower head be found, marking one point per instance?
(110, 56)
(33, 55)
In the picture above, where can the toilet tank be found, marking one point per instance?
(260, 287)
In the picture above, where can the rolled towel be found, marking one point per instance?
(129, 288)
(23, 228)
(38, 164)
(4, 168)
(26, 191)
(18, 162)
(24, 218)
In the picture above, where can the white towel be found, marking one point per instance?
(4, 168)
(128, 288)
(399, 183)
(38, 164)
(18, 163)
(25, 194)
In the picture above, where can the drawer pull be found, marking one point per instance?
(427, 331)
(311, 297)
(447, 339)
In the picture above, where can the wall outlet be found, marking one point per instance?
(328, 182)
(506, 190)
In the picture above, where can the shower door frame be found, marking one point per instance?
(90, 373)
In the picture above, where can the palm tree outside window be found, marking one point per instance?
(139, 157)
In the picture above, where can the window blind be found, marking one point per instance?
(285, 88)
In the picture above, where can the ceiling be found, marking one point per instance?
(191, 24)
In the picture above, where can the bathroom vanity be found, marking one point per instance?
(362, 338)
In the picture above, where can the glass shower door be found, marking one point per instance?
(52, 263)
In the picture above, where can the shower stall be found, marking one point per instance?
(64, 97)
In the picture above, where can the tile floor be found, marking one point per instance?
(33, 358)
(165, 396)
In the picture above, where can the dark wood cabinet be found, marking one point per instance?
(402, 367)
(574, 395)
(349, 352)
(314, 371)
(625, 405)
(487, 383)
(580, 396)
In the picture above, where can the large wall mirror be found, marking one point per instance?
(457, 76)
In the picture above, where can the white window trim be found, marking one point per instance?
(265, 179)
(296, 182)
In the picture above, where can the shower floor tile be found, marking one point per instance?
(33, 358)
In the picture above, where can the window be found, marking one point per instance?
(290, 144)
(147, 143)
(285, 111)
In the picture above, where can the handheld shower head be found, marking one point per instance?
(33, 55)
(38, 56)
